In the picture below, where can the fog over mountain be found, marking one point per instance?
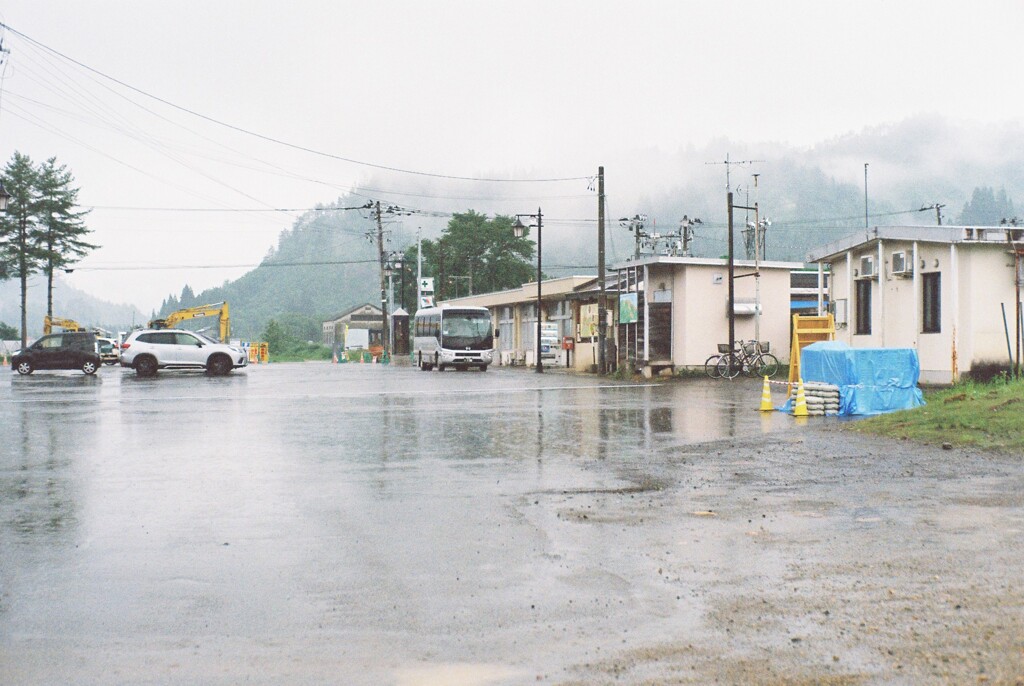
(811, 195)
(68, 302)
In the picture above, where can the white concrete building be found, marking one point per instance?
(941, 290)
(683, 308)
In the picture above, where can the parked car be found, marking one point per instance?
(148, 350)
(109, 350)
(68, 350)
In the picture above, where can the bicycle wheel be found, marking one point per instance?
(711, 366)
(767, 365)
(728, 366)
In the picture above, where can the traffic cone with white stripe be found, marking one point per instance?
(766, 397)
(800, 404)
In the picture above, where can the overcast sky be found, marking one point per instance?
(475, 89)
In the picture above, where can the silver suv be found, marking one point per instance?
(148, 350)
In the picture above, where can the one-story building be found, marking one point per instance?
(942, 290)
(681, 307)
(367, 317)
(569, 312)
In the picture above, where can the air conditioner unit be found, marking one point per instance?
(900, 265)
(867, 267)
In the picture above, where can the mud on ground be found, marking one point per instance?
(826, 557)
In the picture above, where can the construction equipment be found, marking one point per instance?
(219, 310)
(61, 323)
(807, 330)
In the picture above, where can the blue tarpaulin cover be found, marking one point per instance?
(870, 380)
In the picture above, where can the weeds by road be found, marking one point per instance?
(987, 416)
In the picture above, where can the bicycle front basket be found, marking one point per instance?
(765, 346)
(723, 347)
(748, 348)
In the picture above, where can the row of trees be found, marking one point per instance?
(986, 207)
(43, 230)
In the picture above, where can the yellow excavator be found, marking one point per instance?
(61, 323)
(219, 310)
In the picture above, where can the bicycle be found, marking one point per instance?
(750, 357)
(711, 364)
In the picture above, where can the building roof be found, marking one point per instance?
(979, 235)
(704, 262)
(558, 288)
(375, 310)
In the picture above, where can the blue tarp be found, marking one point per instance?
(870, 380)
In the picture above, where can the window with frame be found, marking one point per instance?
(506, 323)
(863, 305)
(931, 302)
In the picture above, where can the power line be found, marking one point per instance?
(278, 141)
(221, 266)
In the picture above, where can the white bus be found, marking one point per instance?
(459, 337)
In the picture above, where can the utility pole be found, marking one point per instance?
(383, 284)
(865, 196)
(732, 286)
(601, 312)
(938, 211)
(732, 277)
(636, 227)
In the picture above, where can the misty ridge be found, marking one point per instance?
(811, 195)
(326, 261)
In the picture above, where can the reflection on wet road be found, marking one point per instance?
(354, 523)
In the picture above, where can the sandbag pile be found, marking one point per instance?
(822, 399)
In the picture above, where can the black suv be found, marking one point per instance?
(59, 351)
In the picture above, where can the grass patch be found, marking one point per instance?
(300, 352)
(971, 414)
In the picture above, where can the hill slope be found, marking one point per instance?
(325, 263)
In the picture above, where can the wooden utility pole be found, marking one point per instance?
(602, 363)
(383, 284)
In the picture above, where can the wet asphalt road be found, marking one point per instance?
(359, 524)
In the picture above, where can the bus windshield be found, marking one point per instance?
(470, 330)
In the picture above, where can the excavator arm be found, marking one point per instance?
(61, 323)
(219, 310)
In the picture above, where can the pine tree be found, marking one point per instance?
(19, 229)
(61, 225)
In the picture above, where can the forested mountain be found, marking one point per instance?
(322, 265)
(67, 302)
(325, 264)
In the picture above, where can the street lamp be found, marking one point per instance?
(520, 230)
